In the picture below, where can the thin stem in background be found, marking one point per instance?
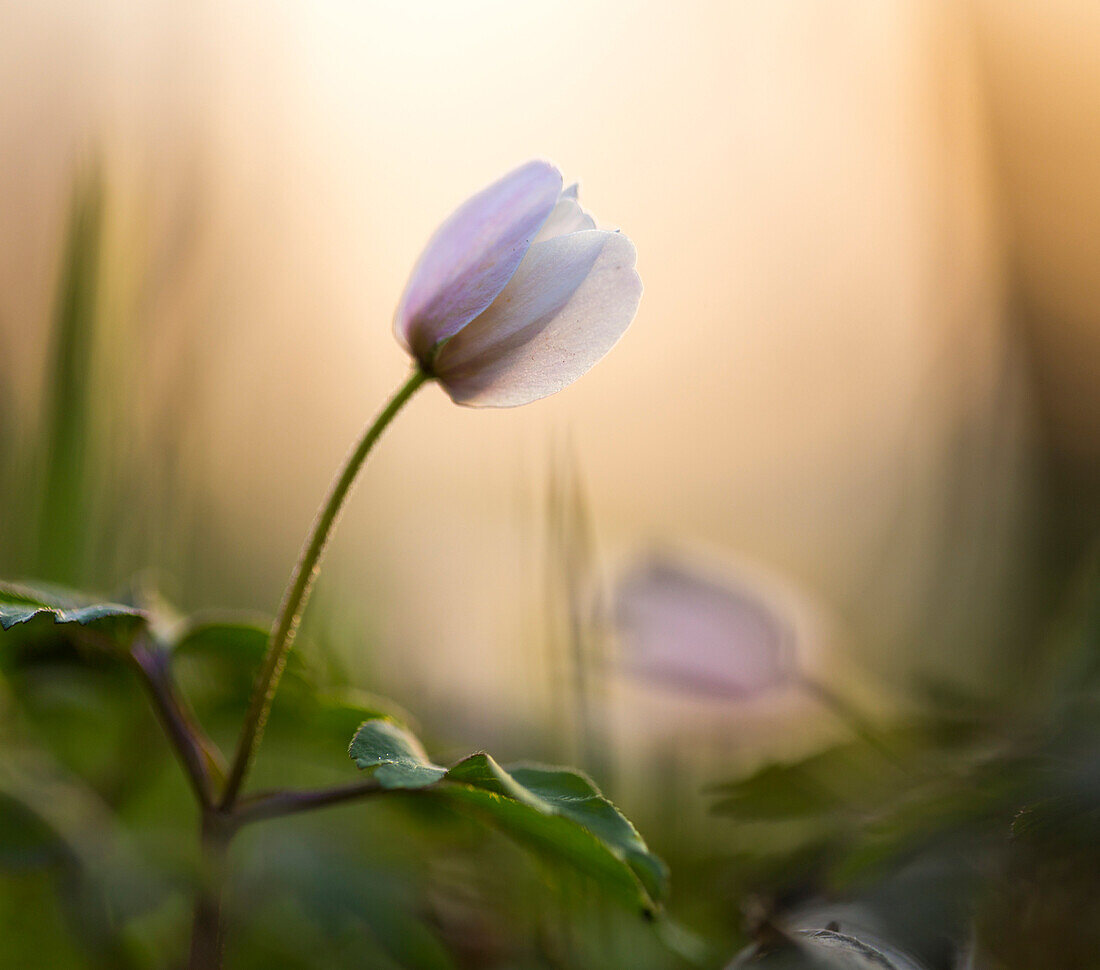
(299, 587)
(575, 552)
(844, 711)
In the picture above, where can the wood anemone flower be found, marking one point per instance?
(518, 293)
(682, 628)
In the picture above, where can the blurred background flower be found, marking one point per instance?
(684, 629)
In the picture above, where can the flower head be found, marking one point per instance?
(517, 294)
(683, 628)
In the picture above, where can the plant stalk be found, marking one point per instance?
(299, 587)
(208, 926)
(218, 829)
(194, 751)
(280, 803)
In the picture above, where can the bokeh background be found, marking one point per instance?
(865, 372)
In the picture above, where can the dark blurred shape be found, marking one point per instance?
(968, 833)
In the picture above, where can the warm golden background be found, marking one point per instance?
(867, 353)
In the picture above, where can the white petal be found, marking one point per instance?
(682, 629)
(568, 216)
(567, 305)
(473, 254)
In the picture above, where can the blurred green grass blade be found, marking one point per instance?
(62, 524)
(557, 812)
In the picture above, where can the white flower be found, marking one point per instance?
(517, 294)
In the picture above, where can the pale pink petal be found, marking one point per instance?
(568, 216)
(473, 255)
(682, 629)
(566, 306)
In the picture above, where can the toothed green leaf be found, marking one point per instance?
(555, 811)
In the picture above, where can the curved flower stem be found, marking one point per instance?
(298, 589)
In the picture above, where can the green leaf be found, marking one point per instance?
(849, 778)
(393, 756)
(777, 791)
(236, 638)
(35, 612)
(555, 811)
(26, 840)
(224, 655)
(216, 661)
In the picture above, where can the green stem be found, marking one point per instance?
(298, 589)
(192, 747)
(208, 925)
(850, 716)
(280, 803)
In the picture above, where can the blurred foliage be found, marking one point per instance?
(89, 795)
(969, 832)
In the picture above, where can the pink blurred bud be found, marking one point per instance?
(680, 628)
(517, 294)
